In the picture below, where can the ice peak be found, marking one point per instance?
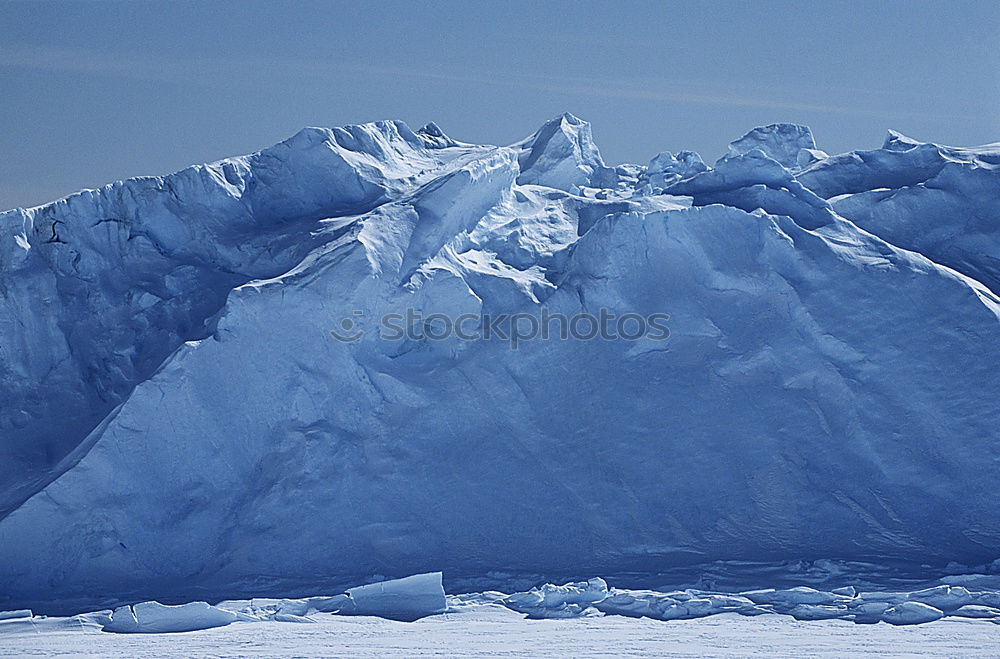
(571, 119)
(374, 138)
(434, 137)
(565, 126)
(561, 154)
(684, 163)
(781, 142)
(432, 129)
(896, 141)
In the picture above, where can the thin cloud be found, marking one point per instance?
(246, 71)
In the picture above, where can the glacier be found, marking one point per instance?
(178, 420)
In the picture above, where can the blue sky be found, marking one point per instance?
(91, 92)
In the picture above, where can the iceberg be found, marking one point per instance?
(199, 395)
(405, 599)
(911, 613)
(156, 618)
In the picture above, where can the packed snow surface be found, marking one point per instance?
(490, 630)
(179, 423)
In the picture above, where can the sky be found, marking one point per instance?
(92, 92)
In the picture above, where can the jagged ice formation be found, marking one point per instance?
(176, 415)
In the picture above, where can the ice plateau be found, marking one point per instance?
(178, 419)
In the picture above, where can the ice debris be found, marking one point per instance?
(422, 595)
(409, 598)
(156, 618)
(593, 597)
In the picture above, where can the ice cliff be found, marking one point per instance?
(177, 418)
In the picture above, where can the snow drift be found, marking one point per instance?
(177, 416)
